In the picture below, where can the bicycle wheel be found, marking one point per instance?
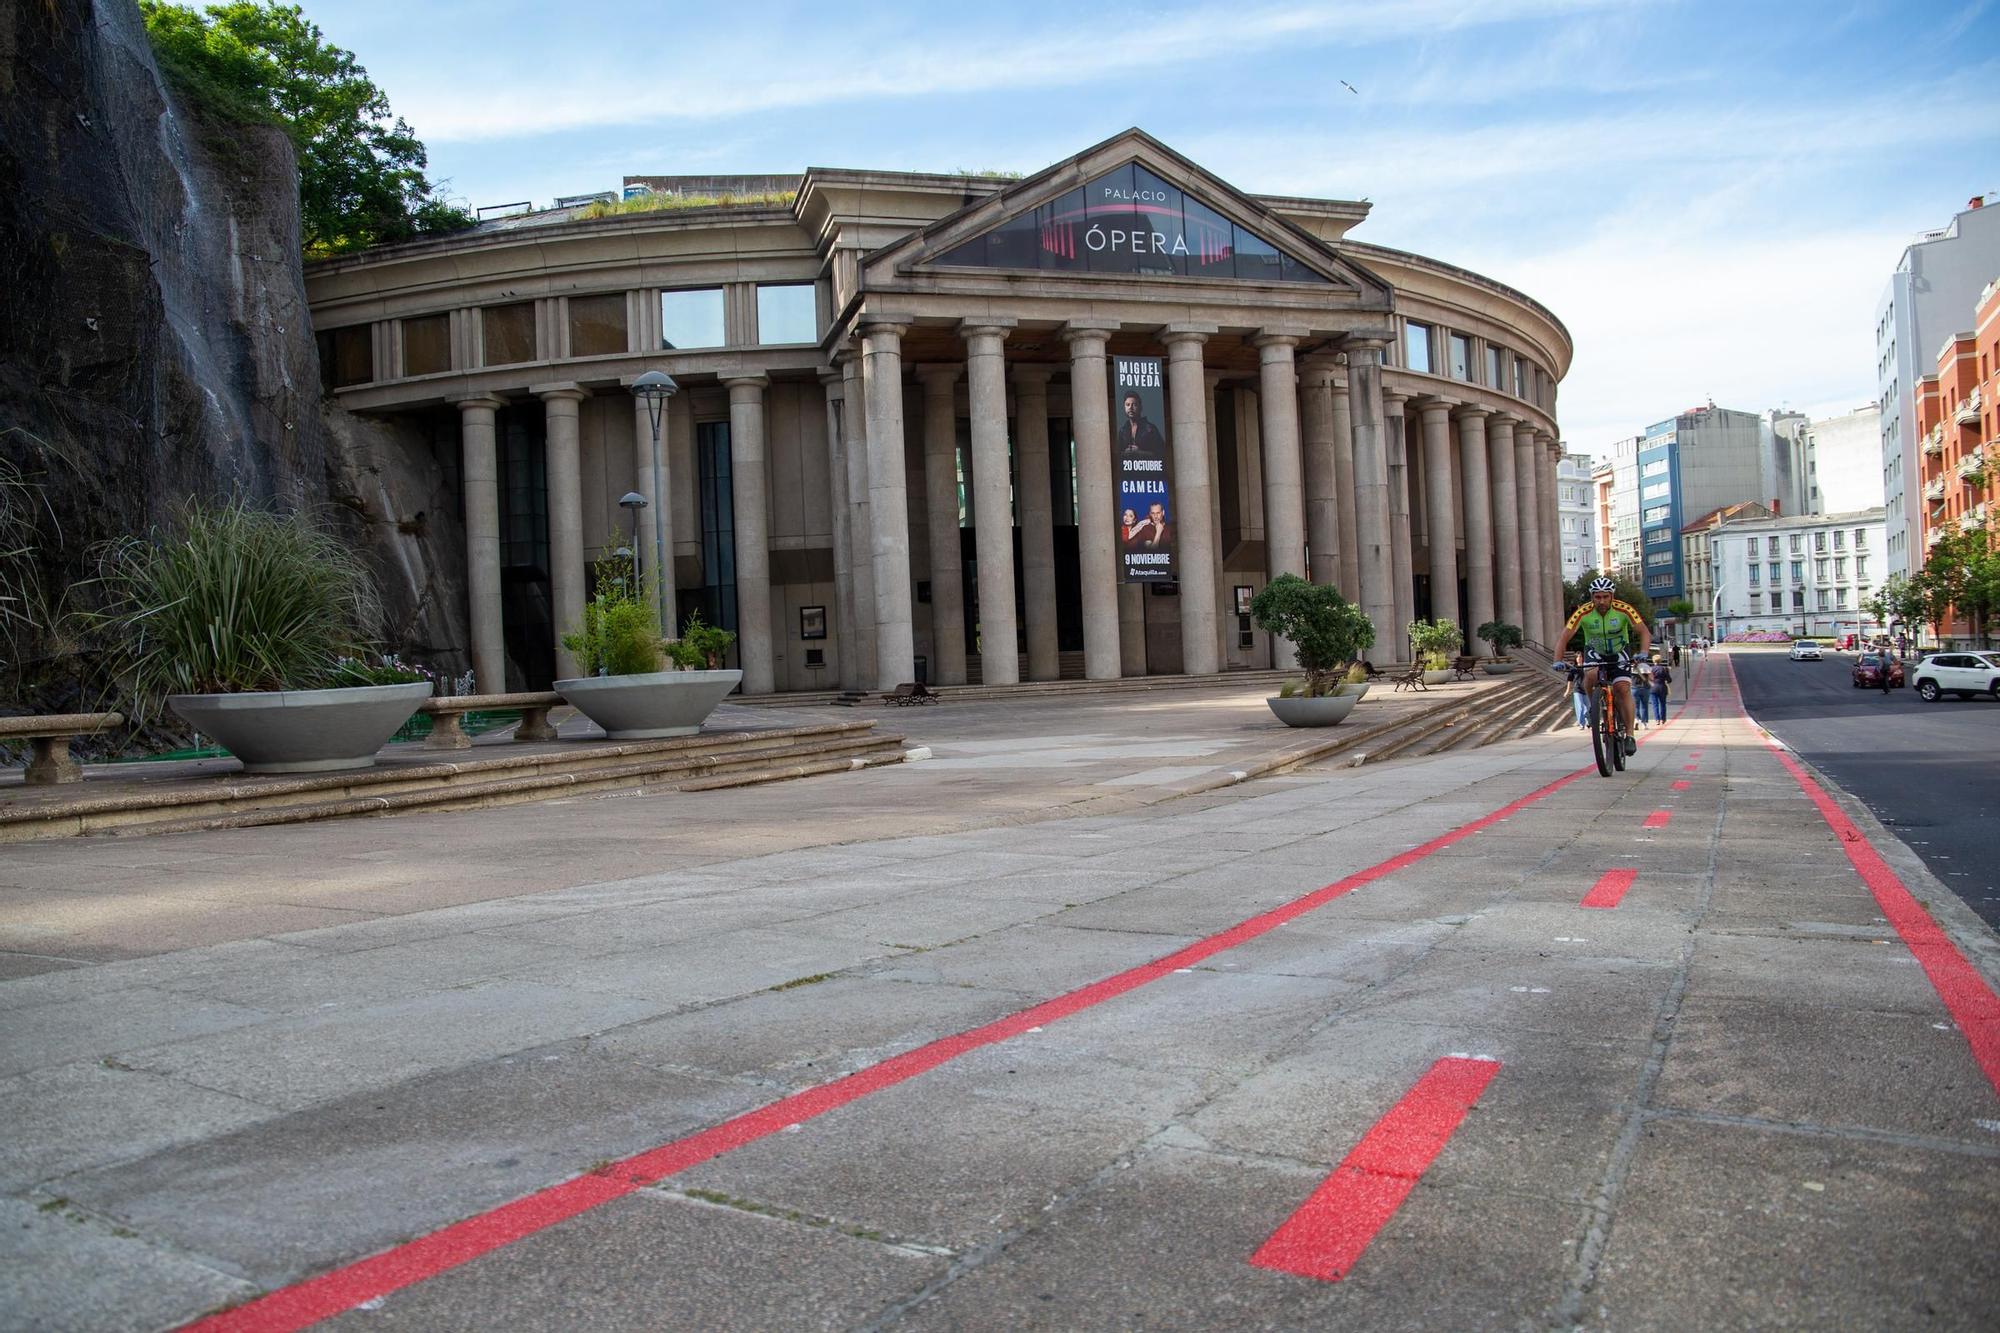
(1601, 739)
(1618, 733)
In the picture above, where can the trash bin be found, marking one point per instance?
(923, 670)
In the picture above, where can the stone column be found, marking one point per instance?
(1096, 520)
(941, 509)
(835, 390)
(1321, 480)
(1478, 521)
(656, 526)
(479, 469)
(1225, 610)
(1394, 432)
(1187, 408)
(1509, 593)
(1440, 521)
(858, 673)
(889, 517)
(1036, 502)
(1545, 494)
(1375, 574)
(1534, 606)
(749, 487)
(993, 501)
(567, 583)
(1284, 492)
(1344, 486)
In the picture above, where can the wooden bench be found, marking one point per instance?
(50, 735)
(1413, 679)
(909, 693)
(448, 716)
(1463, 667)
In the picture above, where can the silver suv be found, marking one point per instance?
(1962, 674)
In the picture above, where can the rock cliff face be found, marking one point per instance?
(154, 339)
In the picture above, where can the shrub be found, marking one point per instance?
(1501, 635)
(1434, 642)
(231, 598)
(620, 633)
(1327, 630)
(700, 646)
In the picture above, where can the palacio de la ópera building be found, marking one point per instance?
(959, 427)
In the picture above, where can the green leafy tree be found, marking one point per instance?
(1501, 635)
(1576, 592)
(1681, 609)
(1328, 630)
(1961, 577)
(1901, 601)
(1434, 641)
(361, 170)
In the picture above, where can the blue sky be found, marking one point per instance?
(1710, 195)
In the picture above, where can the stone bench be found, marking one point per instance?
(448, 716)
(50, 735)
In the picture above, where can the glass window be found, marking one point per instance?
(507, 333)
(346, 356)
(1754, 580)
(1771, 545)
(691, 318)
(1860, 566)
(1819, 570)
(1798, 599)
(1798, 571)
(1798, 543)
(427, 345)
(788, 314)
(1496, 367)
(1417, 347)
(1774, 571)
(1520, 378)
(1840, 567)
(597, 324)
(1839, 539)
(1461, 357)
(716, 501)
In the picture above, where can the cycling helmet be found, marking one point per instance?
(1603, 583)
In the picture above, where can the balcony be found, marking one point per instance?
(1968, 410)
(1970, 464)
(1934, 442)
(1937, 535)
(1934, 490)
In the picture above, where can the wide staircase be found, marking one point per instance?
(410, 779)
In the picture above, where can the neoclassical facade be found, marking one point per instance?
(890, 448)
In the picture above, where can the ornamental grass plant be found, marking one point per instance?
(228, 597)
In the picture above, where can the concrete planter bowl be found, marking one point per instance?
(1498, 668)
(646, 707)
(1438, 677)
(302, 731)
(1358, 690)
(1327, 711)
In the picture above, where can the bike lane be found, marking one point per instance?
(1125, 1149)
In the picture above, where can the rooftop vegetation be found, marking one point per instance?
(662, 203)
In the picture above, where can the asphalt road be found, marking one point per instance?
(1928, 771)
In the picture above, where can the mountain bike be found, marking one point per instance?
(1607, 735)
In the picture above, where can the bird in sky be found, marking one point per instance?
(1350, 87)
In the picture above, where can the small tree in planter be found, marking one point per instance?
(628, 689)
(1328, 630)
(620, 634)
(1501, 635)
(1434, 642)
(701, 646)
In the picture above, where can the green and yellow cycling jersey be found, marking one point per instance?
(1613, 632)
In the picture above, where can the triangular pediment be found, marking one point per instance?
(1132, 208)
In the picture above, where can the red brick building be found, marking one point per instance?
(1956, 416)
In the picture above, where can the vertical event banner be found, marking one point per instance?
(1139, 446)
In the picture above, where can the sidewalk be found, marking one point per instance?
(1099, 1062)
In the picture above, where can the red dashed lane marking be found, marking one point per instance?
(1682, 784)
(343, 1289)
(1689, 768)
(1610, 889)
(1971, 1002)
(1326, 1236)
(1659, 818)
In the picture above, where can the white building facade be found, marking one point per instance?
(1843, 456)
(1576, 514)
(1797, 575)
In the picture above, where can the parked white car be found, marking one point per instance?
(1962, 674)
(1805, 650)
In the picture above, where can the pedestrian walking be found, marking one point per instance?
(1677, 653)
(1663, 678)
(1884, 673)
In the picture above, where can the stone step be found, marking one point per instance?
(564, 765)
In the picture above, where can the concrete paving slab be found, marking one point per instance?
(97, 1026)
(69, 1273)
(1036, 959)
(69, 1117)
(1731, 1228)
(926, 918)
(684, 1263)
(296, 1061)
(284, 1197)
(1579, 998)
(1863, 969)
(703, 970)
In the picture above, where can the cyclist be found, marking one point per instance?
(1609, 628)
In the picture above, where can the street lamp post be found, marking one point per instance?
(1715, 614)
(632, 502)
(653, 389)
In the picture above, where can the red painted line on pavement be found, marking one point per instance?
(342, 1289)
(1694, 754)
(1610, 888)
(1682, 784)
(1973, 1005)
(1658, 819)
(1689, 768)
(1327, 1234)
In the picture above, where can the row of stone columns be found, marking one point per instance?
(1336, 469)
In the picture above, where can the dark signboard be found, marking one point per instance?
(1130, 221)
(1139, 447)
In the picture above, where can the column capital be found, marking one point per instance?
(1365, 345)
(1170, 334)
(1430, 405)
(1032, 374)
(1393, 403)
(1212, 379)
(1509, 420)
(834, 379)
(1471, 412)
(746, 384)
(893, 325)
(1318, 369)
(1279, 335)
(1081, 330)
(559, 393)
(986, 327)
(485, 401)
(943, 376)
